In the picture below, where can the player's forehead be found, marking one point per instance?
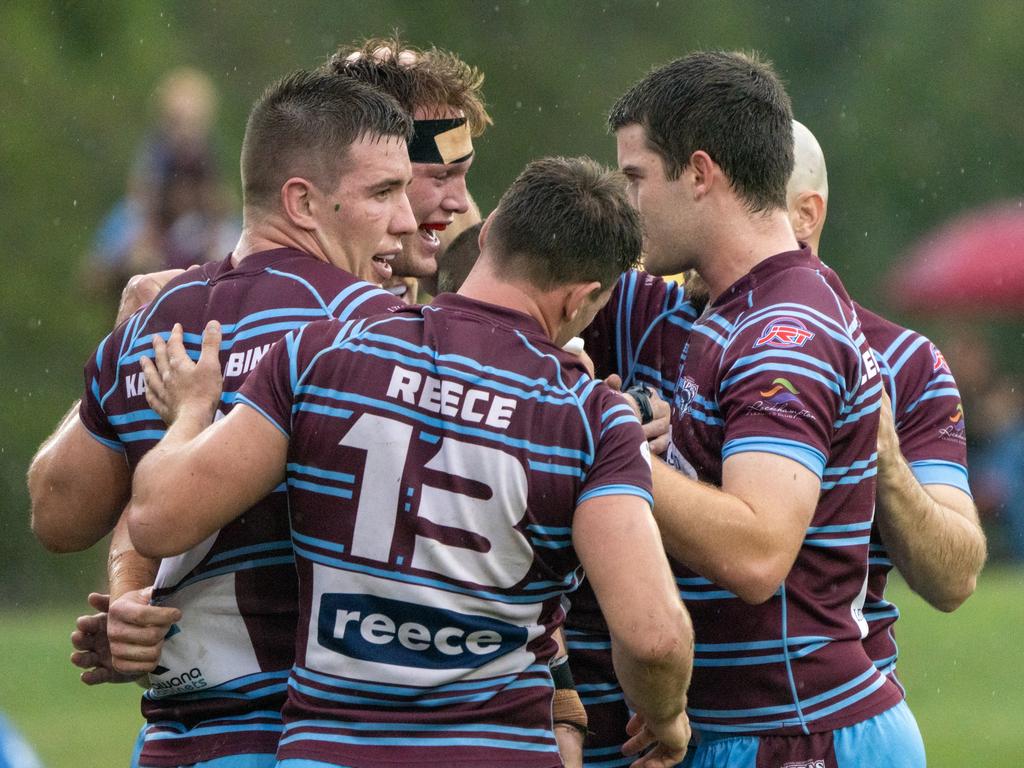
(634, 148)
(375, 159)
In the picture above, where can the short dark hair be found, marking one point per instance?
(304, 123)
(456, 261)
(731, 105)
(566, 220)
(434, 79)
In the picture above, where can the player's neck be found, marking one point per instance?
(267, 234)
(483, 284)
(742, 245)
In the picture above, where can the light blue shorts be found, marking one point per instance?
(888, 740)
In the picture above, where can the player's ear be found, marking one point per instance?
(807, 214)
(484, 229)
(298, 203)
(703, 172)
(577, 296)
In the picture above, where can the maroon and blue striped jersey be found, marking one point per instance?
(436, 457)
(221, 679)
(778, 364)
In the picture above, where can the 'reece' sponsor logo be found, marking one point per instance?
(387, 631)
(784, 333)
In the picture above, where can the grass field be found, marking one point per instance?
(963, 672)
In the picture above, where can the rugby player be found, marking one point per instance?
(443, 94)
(449, 468)
(766, 506)
(926, 523)
(325, 167)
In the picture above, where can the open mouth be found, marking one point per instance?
(428, 235)
(382, 266)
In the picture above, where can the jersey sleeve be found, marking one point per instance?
(100, 376)
(622, 459)
(930, 418)
(270, 388)
(639, 334)
(788, 380)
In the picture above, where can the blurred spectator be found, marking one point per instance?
(176, 210)
(994, 404)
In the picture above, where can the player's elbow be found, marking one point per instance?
(147, 532)
(756, 580)
(48, 516)
(662, 638)
(953, 595)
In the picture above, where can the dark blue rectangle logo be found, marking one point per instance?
(410, 635)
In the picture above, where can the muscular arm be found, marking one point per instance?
(744, 536)
(652, 638)
(196, 480)
(199, 477)
(931, 531)
(77, 486)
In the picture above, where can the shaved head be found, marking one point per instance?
(807, 190)
(809, 172)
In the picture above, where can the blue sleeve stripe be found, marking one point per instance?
(935, 472)
(803, 454)
(627, 419)
(143, 434)
(931, 395)
(554, 469)
(778, 368)
(786, 355)
(897, 366)
(621, 408)
(113, 445)
(858, 415)
(891, 349)
(832, 543)
(850, 479)
(246, 401)
(863, 526)
(146, 414)
(616, 490)
(863, 464)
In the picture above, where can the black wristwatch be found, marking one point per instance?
(643, 402)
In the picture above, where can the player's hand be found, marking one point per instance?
(92, 648)
(175, 385)
(570, 745)
(668, 741)
(136, 631)
(657, 429)
(142, 289)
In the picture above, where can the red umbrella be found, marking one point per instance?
(973, 264)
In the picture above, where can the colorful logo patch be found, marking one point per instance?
(782, 391)
(938, 361)
(957, 419)
(784, 333)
